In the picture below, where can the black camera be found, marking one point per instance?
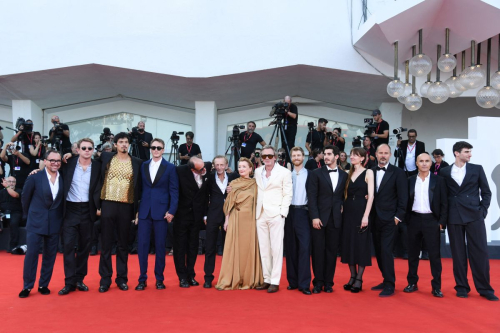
(27, 126)
(105, 135)
(257, 154)
(310, 126)
(45, 139)
(11, 148)
(279, 110)
(236, 133)
(356, 142)
(369, 127)
(281, 156)
(175, 136)
(398, 132)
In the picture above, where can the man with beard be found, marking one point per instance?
(249, 140)
(144, 140)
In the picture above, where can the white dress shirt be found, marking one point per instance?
(80, 184)
(334, 176)
(410, 157)
(153, 169)
(299, 187)
(421, 202)
(458, 174)
(265, 180)
(198, 179)
(54, 188)
(222, 184)
(380, 175)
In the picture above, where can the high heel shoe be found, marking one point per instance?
(357, 289)
(348, 286)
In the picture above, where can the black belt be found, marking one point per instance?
(299, 207)
(77, 203)
(422, 215)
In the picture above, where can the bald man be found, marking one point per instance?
(189, 218)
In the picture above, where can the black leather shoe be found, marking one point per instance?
(316, 289)
(93, 251)
(490, 297)
(306, 291)
(141, 286)
(437, 293)
(122, 286)
(265, 286)
(24, 293)
(103, 289)
(160, 285)
(291, 288)
(462, 294)
(66, 290)
(183, 284)
(273, 289)
(207, 285)
(410, 288)
(387, 292)
(82, 286)
(328, 289)
(193, 282)
(44, 290)
(378, 287)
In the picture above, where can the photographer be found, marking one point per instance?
(37, 151)
(439, 162)
(335, 138)
(370, 160)
(407, 152)
(10, 205)
(316, 139)
(59, 135)
(24, 134)
(282, 159)
(188, 149)
(381, 132)
(19, 162)
(290, 122)
(317, 160)
(249, 140)
(256, 158)
(143, 140)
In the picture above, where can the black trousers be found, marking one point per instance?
(77, 229)
(424, 227)
(96, 231)
(290, 134)
(115, 216)
(383, 239)
(402, 234)
(212, 234)
(34, 241)
(298, 247)
(14, 224)
(477, 250)
(325, 244)
(186, 239)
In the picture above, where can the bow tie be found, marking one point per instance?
(383, 169)
(335, 170)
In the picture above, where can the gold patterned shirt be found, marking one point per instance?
(118, 182)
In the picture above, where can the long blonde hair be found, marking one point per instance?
(358, 151)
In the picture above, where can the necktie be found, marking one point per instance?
(383, 169)
(332, 170)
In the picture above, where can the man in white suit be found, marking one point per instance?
(274, 197)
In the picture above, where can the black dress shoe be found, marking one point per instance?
(44, 290)
(316, 289)
(437, 293)
(410, 288)
(82, 286)
(291, 288)
(273, 289)
(103, 289)
(193, 282)
(387, 292)
(462, 294)
(66, 290)
(160, 285)
(207, 285)
(183, 284)
(24, 293)
(306, 291)
(265, 286)
(328, 289)
(141, 286)
(93, 251)
(490, 297)
(378, 287)
(122, 286)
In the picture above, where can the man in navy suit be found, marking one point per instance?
(160, 195)
(42, 200)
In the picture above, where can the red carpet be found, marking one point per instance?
(208, 310)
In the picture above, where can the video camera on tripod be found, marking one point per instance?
(279, 110)
(398, 132)
(175, 136)
(105, 135)
(370, 126)
(236, 134)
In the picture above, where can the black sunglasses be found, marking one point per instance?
(86, 148)
(362, 229)
(156, 147)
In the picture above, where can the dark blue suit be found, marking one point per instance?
(158, 198)
(45, 217)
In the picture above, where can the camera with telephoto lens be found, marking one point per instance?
(398, 132)
(369, 127)
(236, 133)
(27, 126)
(279, 110)
(106, 133)
(175, 136)
(356, 142)
(12, 147)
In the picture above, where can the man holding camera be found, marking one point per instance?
(144, 139)
(24, 133)
(10, 206)
(316, 139)
(189, 149)
(59, 135)
(407, 152)
(381, 131)
(19, 162)
(290, 122)
(249, 140)
(335, 138)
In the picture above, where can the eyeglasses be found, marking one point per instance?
(87, 148)
(54, 161)
(156, 147)
(267, 156)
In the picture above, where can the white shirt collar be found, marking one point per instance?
(50, 177)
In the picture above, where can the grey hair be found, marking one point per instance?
(269, 147)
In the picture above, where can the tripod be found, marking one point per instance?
(134, 149)
(235, 151)
(174, 151)
(278, 128)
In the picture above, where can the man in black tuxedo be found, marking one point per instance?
(467, 210)
(426, 215)
(81, 177)
(187, 223)
(407, 151)
(42, 201)
(389, 206)
(325, 194)
(217, 183)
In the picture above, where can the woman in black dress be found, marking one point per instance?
(356, 236)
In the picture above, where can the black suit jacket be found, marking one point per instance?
(323, 200)
(68, 170)
(419, 149)
(392, 197)
(215, 198)
(136, 166)
(438, 198)
(148, 137)
(464, 203)
(192, 200)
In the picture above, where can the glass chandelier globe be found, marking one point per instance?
(420, 65)
(454, 92)
(495, 80)
(395, 88)
(413, 102)
(406, 93)
(487, 97)
(438, 92)
(472, 77)
(447, 62)
(458, 84)
(424, 88)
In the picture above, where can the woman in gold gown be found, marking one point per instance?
(241, 267)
